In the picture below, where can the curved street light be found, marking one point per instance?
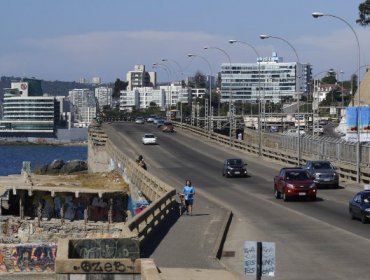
(166, 68)
(178, 65)
(317, 15)
(230, 93)
(210, 87)
(264, 36)
(233, 41)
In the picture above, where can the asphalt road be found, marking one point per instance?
(314, 240)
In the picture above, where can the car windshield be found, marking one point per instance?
(366, 198)
(234, 162)
(322, 165)
(149, 136)
(297, 175)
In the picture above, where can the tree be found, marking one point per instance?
(330, 77)
(118, 86)
(364, 13)
(200, 80)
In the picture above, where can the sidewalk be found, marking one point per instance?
(189, 241)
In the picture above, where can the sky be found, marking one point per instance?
(72, 39)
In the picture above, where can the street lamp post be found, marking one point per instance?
(317, 15)
(259, 92)
(342, 72)
(177, 64)
(165, 67)
(181, 74)
(231, 114)
(263, 36)
(210, 89)
(314, 96)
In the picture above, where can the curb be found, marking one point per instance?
(217, 251)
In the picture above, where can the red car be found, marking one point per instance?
(167, 127)
(294, 182)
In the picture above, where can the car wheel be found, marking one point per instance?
(227, 175)
(364, 220)
(277, 194)
(313, 198)
(336, 186)
(285, 197)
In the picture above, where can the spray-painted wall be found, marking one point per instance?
(28, 257)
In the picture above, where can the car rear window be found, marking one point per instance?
(149, 136)
(297, 175)
(322, 165)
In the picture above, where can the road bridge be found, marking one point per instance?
(314, 240)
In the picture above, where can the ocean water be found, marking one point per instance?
(12, 156)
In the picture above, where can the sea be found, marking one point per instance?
(12, 156)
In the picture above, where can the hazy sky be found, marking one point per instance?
(70, 39)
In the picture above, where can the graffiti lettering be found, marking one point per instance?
(104, 249)
(27, 257)
(119, 266)
(108, 267)
(95, 267)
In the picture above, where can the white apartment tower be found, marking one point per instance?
(270, 79)
(83, 105)
(140, 78)
(103, 96)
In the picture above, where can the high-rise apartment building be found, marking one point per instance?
(103, 96)
(269, 79)
(83, 105)
(164, 97)
(140, 78)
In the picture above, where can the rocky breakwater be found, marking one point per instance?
(59, 166)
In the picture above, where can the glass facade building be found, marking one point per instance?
(27, 111)
(269, 79)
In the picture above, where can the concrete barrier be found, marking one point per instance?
(271, 150)
(161, 195)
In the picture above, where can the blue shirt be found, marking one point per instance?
(189, 192)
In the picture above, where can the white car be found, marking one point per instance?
(149, 138)
(140, 120)
(294, 132)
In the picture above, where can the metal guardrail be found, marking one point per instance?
(161, 195)
(284, 148)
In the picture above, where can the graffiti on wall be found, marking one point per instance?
(108, 248)
(33, 257)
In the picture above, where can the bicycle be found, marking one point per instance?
(182, 206)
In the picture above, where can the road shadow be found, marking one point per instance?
(149, 245)
(304, 199)
(331, 188)
(195, 215)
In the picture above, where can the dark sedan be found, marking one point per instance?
(234, 167)
(359, 206)
(324, 172)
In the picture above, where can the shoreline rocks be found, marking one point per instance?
(59, 166)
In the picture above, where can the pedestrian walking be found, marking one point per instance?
(189, 192)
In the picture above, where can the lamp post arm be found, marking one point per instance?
(290, 45)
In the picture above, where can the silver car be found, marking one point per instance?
(140, 120)
(324, 172)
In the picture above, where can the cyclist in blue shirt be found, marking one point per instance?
(189, 192)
